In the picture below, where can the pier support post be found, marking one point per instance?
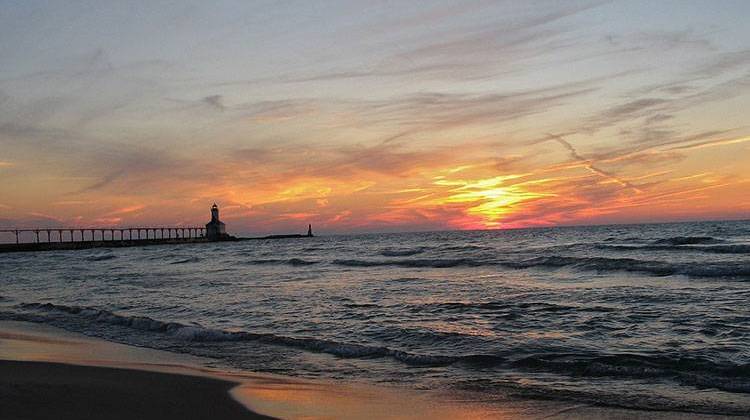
(37, 236)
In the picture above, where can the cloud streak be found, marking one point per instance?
(470, 115)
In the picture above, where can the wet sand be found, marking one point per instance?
(51, 373)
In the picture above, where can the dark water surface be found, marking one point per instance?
(647, 316)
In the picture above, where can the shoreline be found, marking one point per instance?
(48, 372)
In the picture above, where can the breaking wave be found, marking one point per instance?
(690, 371)
(196, 333)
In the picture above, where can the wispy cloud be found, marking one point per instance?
(590, 166)
(373, 118)
(215, 101)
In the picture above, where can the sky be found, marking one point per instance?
(367, 116)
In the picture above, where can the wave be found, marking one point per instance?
(730, 269)
(728, 249)
(101, 257)
(299, 261)
(691, 371)
(414, 263)
(195, 333)
(391, 252)
(290, 261)
(714, 249)
(186, 260)
(689, 240)
(509, 305)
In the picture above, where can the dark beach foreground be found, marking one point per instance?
(42, 390)
(47, 373)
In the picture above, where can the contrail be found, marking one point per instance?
(590, 166)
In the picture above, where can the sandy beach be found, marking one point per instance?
(49, 373)
(41, 390)
(46, 372)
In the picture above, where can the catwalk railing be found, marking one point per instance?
(77, 234)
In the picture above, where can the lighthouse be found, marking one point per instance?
(215, 229)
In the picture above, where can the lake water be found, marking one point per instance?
(647, 316)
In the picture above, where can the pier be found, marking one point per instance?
(67, 238)
(77, 234)
(62, 238)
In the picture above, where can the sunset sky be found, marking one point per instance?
(373, 116)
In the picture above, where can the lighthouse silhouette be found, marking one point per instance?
(215, 229)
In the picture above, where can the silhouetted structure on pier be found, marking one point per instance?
(215, 229)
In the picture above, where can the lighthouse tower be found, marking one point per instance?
(214, 213)
(215, 229)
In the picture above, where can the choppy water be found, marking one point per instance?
(647, 316)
